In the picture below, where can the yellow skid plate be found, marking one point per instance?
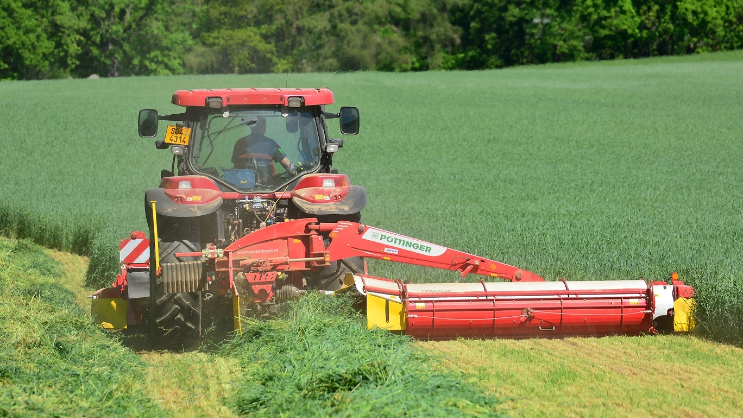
(109, 312)
(683, 315)
(385, 313)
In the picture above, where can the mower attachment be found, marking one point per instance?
(268, 266)
(514, 310)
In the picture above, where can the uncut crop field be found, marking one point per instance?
(598, 171)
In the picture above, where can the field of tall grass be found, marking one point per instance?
(609, 170)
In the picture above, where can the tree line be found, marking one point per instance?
(77, 38)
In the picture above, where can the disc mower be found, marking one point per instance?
(252, 214)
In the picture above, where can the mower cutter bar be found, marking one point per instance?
(520, 310)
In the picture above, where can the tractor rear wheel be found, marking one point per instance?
(174, 317)
(331, 277)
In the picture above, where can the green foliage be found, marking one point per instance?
(235, 37)
(68, 234)
(53, 359)
(238, 51)
(163, 37)
(64, 38)
(275, 36)
(38, 39)
(720, 309)
(73, 187)
(319, 359)
(499, 33)
(135, 37)
(104, 262)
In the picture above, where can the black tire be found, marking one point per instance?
(175, 318)
(663, 324)
(331, 278)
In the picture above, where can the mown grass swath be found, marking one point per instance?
(53, 360)
(610, 170)
(319, 359)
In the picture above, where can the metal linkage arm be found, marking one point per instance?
(300, 241)
(350, 239)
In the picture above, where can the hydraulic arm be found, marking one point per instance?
(350, 239)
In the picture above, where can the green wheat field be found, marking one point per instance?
(590, 171)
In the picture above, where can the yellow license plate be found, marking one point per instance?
(177, 135)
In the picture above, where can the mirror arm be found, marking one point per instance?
(174, 117)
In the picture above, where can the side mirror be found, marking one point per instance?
(147, 126)
(349, 120)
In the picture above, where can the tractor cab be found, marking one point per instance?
(244, 161)
(251, 140)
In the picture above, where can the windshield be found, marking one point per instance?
(255, 149)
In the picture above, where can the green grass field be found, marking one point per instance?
(591, 171)
(610, 170)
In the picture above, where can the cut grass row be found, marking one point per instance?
(320, 360)
(611, 170)
(316, 359)
(53, 360)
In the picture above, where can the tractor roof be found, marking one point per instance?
(252, 96)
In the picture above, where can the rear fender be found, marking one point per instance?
(184, 197)
(328, 194)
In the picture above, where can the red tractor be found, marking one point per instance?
(252, 214)
(243, 159)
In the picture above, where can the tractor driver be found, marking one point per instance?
(258, 143)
